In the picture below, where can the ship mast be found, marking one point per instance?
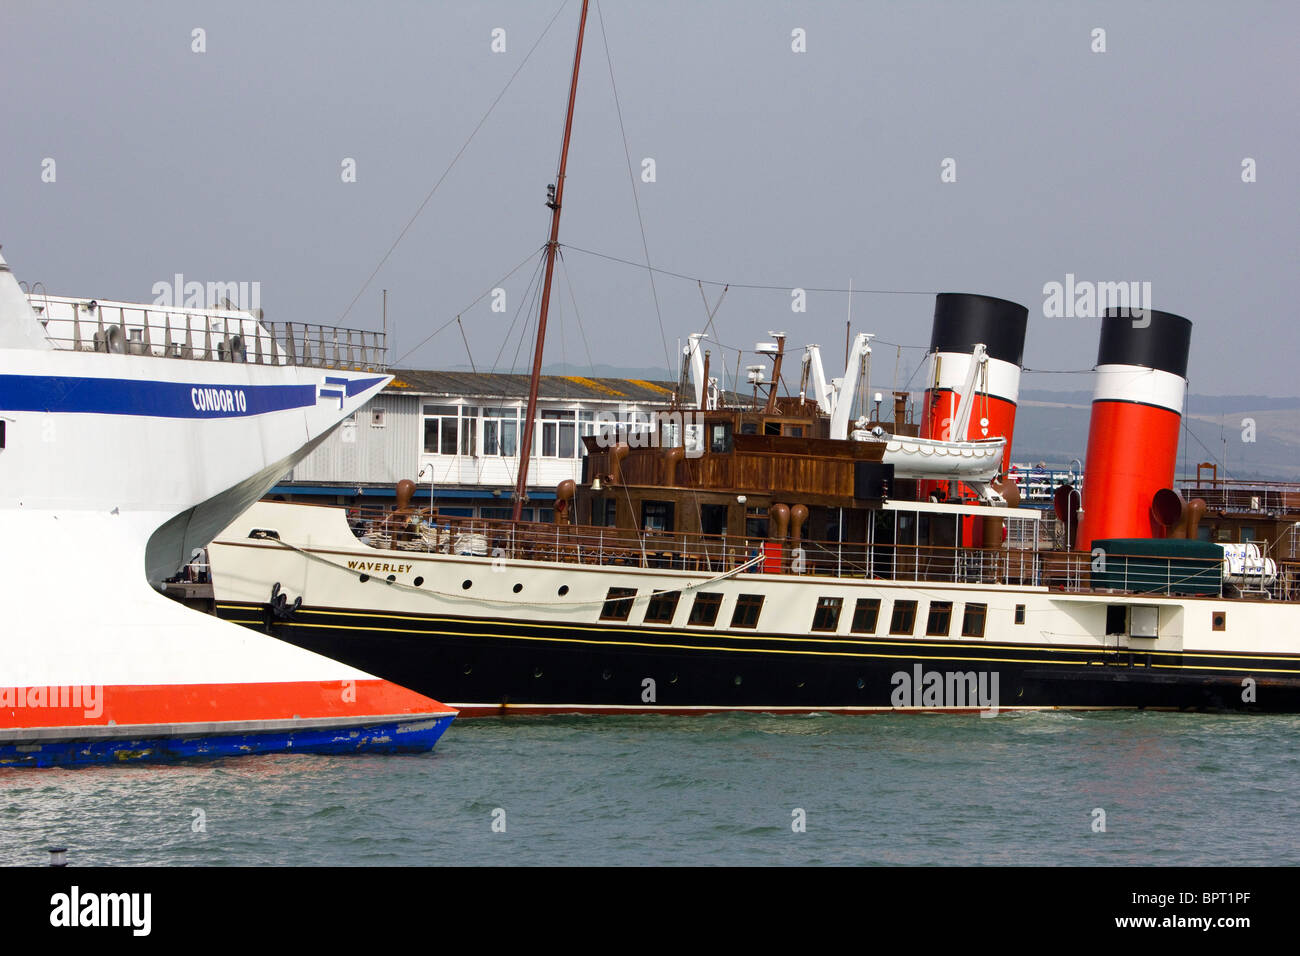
(554, 200)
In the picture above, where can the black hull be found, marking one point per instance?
(483, 666)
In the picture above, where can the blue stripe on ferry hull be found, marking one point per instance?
(406, 736)
(116, 396)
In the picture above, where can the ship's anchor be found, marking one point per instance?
(280, 605)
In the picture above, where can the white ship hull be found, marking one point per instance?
(114, 469)
(493, 634)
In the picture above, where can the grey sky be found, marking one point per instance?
(773, 167)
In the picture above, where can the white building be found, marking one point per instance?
(457, 435)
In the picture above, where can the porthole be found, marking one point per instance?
(364, 578)
(518, 588)
(392, 578)
(736, 680)
(537, 672)
(672, 679)
(861, 683)
(468, 669)
(564, 589)
(798, 683)
(466, 585)
(607, 674)
(419, 581)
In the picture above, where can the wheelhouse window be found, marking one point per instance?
(939, 621)
(748, 607)
(827, 615)
(618, 604)
(501, 432)
(670, 430)
(972, 620)
(693, 439)
(865, 615)
(903, 619)
(720, 438)
(662, 607)
(704, 612)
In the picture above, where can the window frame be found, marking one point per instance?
(614, 598)
(705, 601)
(747, 603)
(938, 607)
(860, 607)
(827, 604)
(969, 613)
(661, 601)
(903, 606)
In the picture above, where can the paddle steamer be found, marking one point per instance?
(783, 556)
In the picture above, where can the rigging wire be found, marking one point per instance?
(525, 299)
(627, 152)
(483, 295)
(564, 267)
(738, 285)
(455, 159)
(466, 341)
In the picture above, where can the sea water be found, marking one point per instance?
(1038, 788)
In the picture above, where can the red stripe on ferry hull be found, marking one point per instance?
(155, 704)
(1132, 453)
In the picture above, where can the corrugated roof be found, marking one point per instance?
(551, 387)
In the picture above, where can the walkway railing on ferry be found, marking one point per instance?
(1071, 572)
(211, 335)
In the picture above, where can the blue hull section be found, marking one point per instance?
(407, 736)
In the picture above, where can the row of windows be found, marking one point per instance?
(902, 619)
(454, 430)
(662, 607)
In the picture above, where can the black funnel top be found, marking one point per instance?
(1160, 340)
(963, 320)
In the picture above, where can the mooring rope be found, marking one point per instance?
(463, 596)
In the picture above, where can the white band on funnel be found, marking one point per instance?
(954, 370)
(1147, 386)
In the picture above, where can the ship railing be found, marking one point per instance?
(1232, 496)
(211, 335)
(1069, 572)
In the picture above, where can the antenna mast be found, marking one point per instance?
(555, 195)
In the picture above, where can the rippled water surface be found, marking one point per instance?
(1018, 789)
